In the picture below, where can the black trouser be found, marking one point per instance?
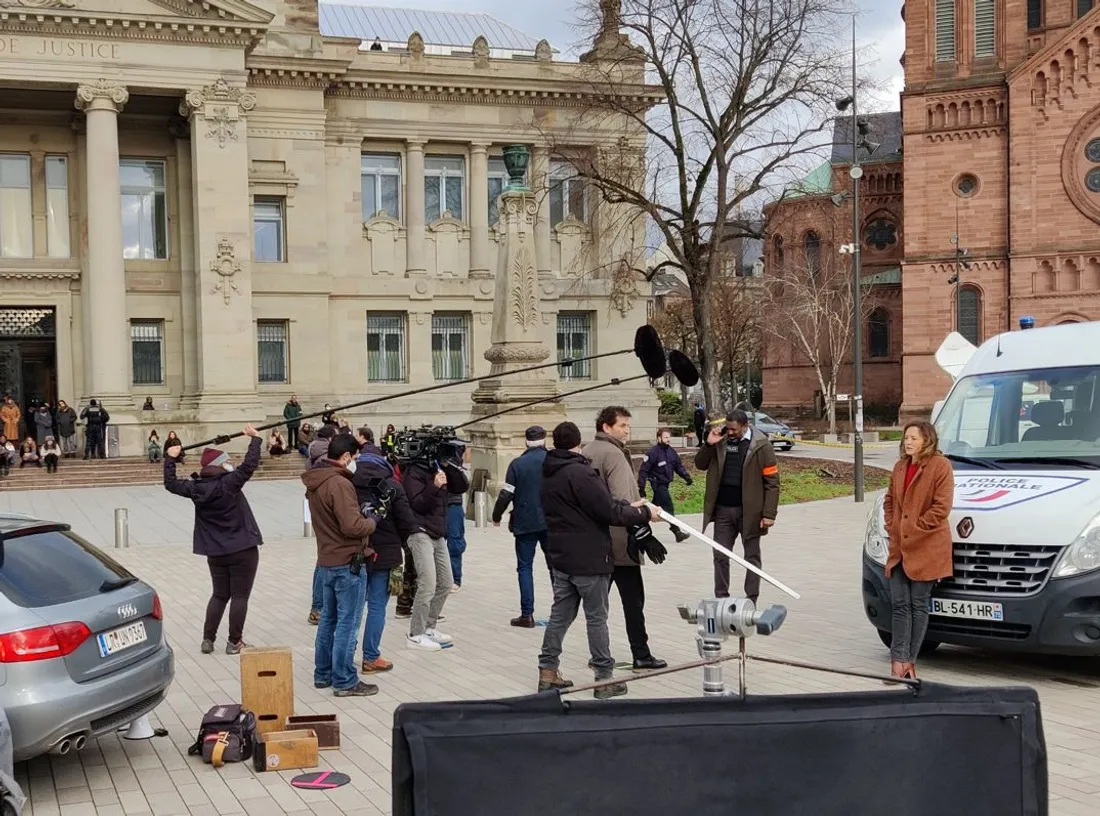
(93, 443)
(632, 594)
(292, 437)
(728, 524)
(408, 584)
(51, 463)
(232, 577)
(663, 499)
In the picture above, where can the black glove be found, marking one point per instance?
(640, 539)
(689, 480)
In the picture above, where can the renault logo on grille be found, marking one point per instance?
(965, 527)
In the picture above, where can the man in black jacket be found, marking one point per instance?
(428, 484)
(226, 533)
(375, 483)
(523, 490)
(660, 466)
(579, 512)
(95, 434)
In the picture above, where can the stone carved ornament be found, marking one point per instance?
(416, 44)
(524, 281)
(57, 4)
(225, 266)
(624, 289)
(527, 353)
(101, 89)
(221, 105)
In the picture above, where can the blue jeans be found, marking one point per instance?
(343, 597)
(456, 539)
(378, 596)
(525, 559)
(315, 605)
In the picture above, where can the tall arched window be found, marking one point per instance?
(777, 253)
(969, 317)
(1034, 14)
(878, 334)
(812, 246)
(945, 30)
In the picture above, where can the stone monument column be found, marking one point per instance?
(104, 287)
(415, 230)
(540, 180)
(479, 210)
(222, 227)
(517, 337)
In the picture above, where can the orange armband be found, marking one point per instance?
(771, 470)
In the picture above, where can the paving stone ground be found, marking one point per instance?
(814, 548)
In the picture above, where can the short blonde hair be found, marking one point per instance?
(928, 433)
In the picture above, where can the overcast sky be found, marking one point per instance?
(881, 30)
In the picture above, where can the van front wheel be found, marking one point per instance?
(926, 648)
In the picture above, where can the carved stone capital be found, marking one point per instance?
(527, 353)
(214, 98)
(101, 95)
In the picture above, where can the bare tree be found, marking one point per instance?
(810, 304)
(745, 88)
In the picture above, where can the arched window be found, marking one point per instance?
(812, 246)
(1034, 14)
(878, 334)
(969, 316)
(777, 253)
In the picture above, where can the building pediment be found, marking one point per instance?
(237, 11)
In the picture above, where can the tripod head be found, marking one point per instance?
(717, 621)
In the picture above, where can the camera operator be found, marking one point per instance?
(375, 483)
(428, 483)
(580, 512)
(343, 548)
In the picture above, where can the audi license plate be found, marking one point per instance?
(122, 638)
(975, 610)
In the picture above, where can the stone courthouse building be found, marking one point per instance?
(219, 204)
(1001, 147)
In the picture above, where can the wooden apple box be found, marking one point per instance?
(283, 750)
(326, 726)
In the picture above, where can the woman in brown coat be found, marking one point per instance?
(917, 504)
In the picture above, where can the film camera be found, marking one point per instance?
(428, 444)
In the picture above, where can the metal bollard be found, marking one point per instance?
(307, 520)
(481, 508)
(122, 528)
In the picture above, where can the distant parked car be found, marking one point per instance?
(779, 433)
(82, 647)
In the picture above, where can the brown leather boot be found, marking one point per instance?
(551, 679)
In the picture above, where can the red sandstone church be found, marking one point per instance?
(999, 144)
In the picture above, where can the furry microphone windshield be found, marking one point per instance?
(683, 368)
(650, 351)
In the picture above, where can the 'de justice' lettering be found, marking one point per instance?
(66, 49)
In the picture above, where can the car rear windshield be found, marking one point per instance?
(48, 568)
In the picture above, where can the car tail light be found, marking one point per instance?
(158, 610)
(42, 643)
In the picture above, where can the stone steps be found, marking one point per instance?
(127, 471)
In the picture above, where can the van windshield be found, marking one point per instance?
(1048, 417)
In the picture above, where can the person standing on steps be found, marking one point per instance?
(292, 412)
(581, 515)
(916, 507)
(609, 456)
(43, 424)
(659, 467)
(742, 497)
(11, 416)
(95, 432)
(523, 490)
(66, 428)
(226, 533)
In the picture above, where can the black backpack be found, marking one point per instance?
(226, 735)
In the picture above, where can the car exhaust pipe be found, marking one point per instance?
(79, 741)
(63, 747)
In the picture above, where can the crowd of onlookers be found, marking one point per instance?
(45, 434)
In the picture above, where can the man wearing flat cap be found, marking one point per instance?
(521, 489)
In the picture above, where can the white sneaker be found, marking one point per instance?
(422, 642)
(438, 637)
(456, 588)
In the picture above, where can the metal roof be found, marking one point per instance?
(346, 18)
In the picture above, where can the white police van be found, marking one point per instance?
(1021, 426)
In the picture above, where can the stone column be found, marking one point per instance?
(416, 240)
(479, 210)
(222, 256)
(179, 129)
(540, 183)
(104, 287)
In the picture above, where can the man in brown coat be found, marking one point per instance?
(742, 495)
(609, 456)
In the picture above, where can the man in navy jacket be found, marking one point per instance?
(523, 484)
(659, 468)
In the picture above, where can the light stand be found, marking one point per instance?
(718, 620)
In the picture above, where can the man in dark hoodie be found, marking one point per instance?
(522, 489)
(579, 512)
(428, 484)
(343, 530)
(226, 533)
(375, 484)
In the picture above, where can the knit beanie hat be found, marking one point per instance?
(212, 457)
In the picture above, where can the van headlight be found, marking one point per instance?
(876, 544)
(1083, 555)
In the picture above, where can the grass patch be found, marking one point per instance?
(800, 480)
(889, 436)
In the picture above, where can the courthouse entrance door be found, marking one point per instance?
(28, 355)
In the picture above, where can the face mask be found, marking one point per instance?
(351, 466)
(228, 468)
